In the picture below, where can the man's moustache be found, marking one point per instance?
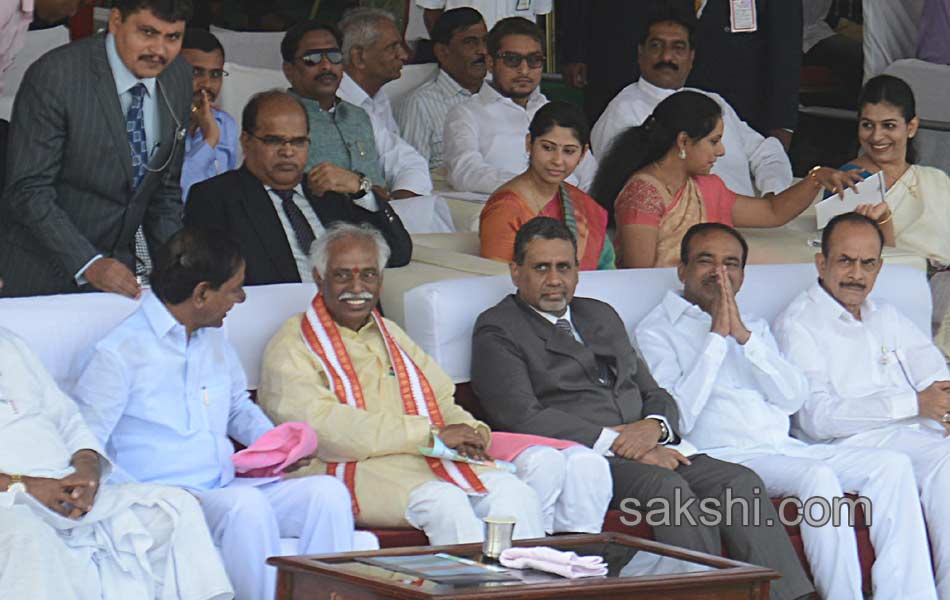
(857, 286)
(351, 296)
(327, 78)
(666, 65)
(153, 58)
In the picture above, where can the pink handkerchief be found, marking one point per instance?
(507, 446)
(565, 564)
(276, 450)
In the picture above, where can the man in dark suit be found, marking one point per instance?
(547, 363)
(266, 205)
(95, 155)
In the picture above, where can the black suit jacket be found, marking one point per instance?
(531, 379)
(69, 190)
(237, 202)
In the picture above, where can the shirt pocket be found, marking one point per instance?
(216, 402)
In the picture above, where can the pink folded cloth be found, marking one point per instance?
(565, 564)
(507, 446)
(276, 450)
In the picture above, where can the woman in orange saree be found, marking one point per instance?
(557, 140)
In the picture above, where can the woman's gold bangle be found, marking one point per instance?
(887, 219)
(813, 174)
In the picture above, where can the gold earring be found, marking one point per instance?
(682, 153)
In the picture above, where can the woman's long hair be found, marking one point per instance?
(693, 113)
(892, 90)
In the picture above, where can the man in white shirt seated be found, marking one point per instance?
(753, 165)
(735, 394)
(165, 392)
(349, 152)
(63, 534)
(484, 138)
(459, 43)
(491, 10)
(875, 379)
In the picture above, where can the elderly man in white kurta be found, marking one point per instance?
(484, 136)
(165, 390)
(752, 164)
(63, 536)
(875, 380)
(376, 398)
(736, 392)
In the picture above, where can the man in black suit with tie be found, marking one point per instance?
(547, 363)
(266, 205)
(95, 156)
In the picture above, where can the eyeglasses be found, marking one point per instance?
(513, 60)
(213, 74)
(314, 57)
(276, 141)
(342, 276)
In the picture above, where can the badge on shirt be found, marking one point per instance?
(523, 5)
(742, 17)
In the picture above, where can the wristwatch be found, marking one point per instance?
(366, 186)
(664, 432)
(16, 484)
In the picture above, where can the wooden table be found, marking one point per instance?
(638, 568)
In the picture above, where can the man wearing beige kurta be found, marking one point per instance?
(393, 485)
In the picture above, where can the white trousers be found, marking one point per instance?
(140, 541)
(247, 523)
(448, 515)
(901, 569)
(929, 452)
(574, 486)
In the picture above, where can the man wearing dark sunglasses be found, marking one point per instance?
(483, 141)
(211, 144)
(347, 154)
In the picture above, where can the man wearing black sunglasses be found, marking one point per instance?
(347, 154)
(483, 141)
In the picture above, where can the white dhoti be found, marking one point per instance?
(574, 486)
(929, 452)
(247, 522)
(448, 515)
(139, 541)
(902, 565)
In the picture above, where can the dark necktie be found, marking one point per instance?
(138, 145)
(564, 326)
(298, 222)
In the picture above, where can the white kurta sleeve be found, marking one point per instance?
(403, 167)
(613, 120)
(468, 171)
(768, 162)
(690, 384)
(825, 415)
(782, 383)
(102, 392)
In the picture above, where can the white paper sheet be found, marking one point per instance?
(870, 191)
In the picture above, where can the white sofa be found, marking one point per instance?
(62, 330)
(440, 316)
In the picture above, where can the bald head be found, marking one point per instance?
(275, 138)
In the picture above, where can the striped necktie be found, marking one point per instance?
(138, 146)
(564, 326)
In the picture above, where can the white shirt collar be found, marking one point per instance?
(298, 190)
(675, 306)
(553, 319)
(158, 316)
(833, 309)
(356, 94)
(124, 78)
(488, 95)
(447, 84)
(655, 91)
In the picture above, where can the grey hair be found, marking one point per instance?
(359, 28)
(320, 249)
